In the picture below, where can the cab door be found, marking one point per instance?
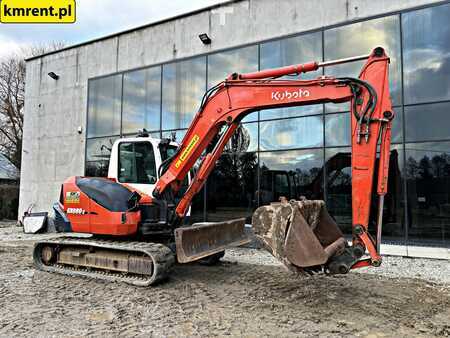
(137, 165)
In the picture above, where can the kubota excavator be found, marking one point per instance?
(137, 236)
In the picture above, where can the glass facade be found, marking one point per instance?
(141, 100)
(184, 84)
(303, 151)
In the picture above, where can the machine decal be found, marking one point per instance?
(187, 150)
(76, 211)
(287, 94)
(72, 197)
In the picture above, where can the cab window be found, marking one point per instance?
(137, 163)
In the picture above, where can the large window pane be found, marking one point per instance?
(98, 151)
(303, 132)
(339, 193)
(339, 186)
(427, 122)
(360, 38)
(337, 129)
(244, 139)
(176, 135)
(141, 100)
(104, 106)
(241, 60)
(96, 169)
(294, 50)
(426, 54)
(232, 186)
(183, 88)
(428, 184)
(397, 126)
(291, 174)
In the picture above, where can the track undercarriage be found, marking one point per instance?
(136, 263)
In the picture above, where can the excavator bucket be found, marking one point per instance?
(301, 234)
(205, 239)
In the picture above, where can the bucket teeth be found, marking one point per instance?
(301, 234)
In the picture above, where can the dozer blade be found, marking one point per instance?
(204, 239)
(301, 234)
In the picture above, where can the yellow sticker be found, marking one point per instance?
(37, 11)
(72, 197)
(187, 150)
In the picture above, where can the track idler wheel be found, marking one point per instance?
(48, 255)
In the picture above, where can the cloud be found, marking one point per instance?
(8, 46)
(96, 19)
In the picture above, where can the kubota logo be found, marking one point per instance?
(288, 95)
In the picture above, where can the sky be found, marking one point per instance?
(95, 18)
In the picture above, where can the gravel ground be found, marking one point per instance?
(249, 294)
(434, 270)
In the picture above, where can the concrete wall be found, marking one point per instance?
(52, 147)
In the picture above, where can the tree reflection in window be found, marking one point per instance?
(98, 151)
(231, 187)
(428, 184)
(291, 174)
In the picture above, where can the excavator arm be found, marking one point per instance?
(225, 105)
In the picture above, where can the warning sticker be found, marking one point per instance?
(187, 150)
(72, 197)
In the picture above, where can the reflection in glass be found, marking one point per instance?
(183, 88)
(96, 169)
(285, 52)
(339, 193)
(231, 187)
(104, 106)
(337, 130)
(197, 208)
(291, 174)
(426, 54)
(397, 125)
(244, 139)
(303, 132)
(361, 38)
(339, 186)
(141, 100)
(427, 122)
(241, 60)
(428, 184)
(175, 135)
(99, 149)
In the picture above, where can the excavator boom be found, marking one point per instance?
(225, 105)
(300, 233)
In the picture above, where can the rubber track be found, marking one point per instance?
(162, 256)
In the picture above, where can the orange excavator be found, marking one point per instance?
(138, 236)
